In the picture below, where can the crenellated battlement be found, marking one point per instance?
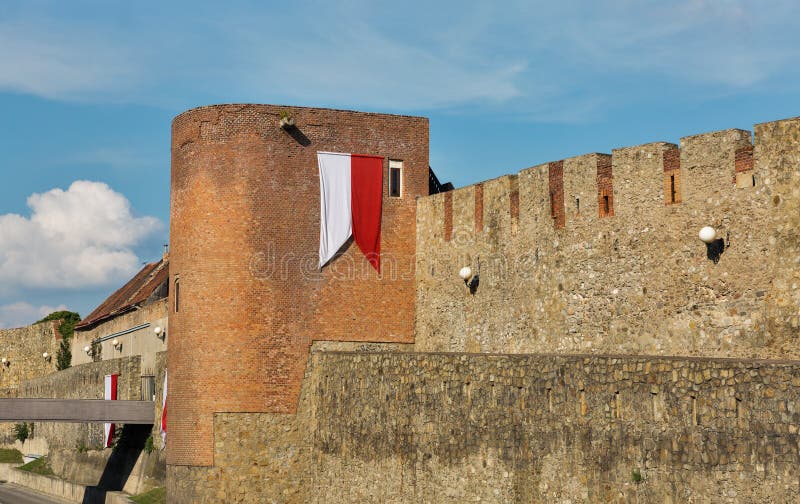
(600, 252)
(596, 185)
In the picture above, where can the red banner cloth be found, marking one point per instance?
(366, 175)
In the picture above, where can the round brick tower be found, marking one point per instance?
(246, 297)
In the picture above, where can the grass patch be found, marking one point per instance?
(155, 496)
(10, 456)
(38, 466)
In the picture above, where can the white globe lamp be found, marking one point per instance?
(708, 234)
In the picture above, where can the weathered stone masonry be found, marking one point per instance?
(405, 427)
(567, 275)
(591, 255)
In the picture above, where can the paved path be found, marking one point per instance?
(15, 494)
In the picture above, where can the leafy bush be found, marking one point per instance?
(148, 445)
(23, 431)
(67, 328)
(64, 355)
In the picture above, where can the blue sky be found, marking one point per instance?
(88, 90)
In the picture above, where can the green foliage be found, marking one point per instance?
(23, 431)
(69, 318)
(636, 476)
(38, 466)
(157, 495)
(67, 328)
(10, 456)
(149, 446)
(64, 355)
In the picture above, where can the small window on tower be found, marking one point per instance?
(177, 294)
(395, 178)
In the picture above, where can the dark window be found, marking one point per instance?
(606, 205)
(672, 188)
(578, 205)
(177, 294)
(395, 178)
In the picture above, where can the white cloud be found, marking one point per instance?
(81, 237)
(21, 314)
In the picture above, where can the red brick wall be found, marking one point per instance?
(672, 176)
(478, 208)
(744, 159)
(556, 185)
(605, 186)
(245, 240)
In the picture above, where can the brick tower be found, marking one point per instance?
(246, 297)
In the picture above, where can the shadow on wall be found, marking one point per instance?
(121, 463)
(715, 249)
(298, 136)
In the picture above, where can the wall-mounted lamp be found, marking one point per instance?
(4, 361)
(88, 350)
(46, 356)
(160, 333)
(117, 344)
(708, 234)
(465, 273)
(714, 246)
(470, 280)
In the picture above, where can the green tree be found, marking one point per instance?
(67, 328)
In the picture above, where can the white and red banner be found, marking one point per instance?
(110, 395)
(163, 427)
(351, 198)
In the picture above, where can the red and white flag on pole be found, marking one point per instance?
(351, 190)
(110, 395)
(163, 427)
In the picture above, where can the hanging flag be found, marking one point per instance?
(351, 198)
(164, 411)
(110, 395)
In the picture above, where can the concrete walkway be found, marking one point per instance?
(15, 494)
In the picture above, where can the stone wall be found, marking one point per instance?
(591, 255)
(559, 273)
(23, 348)
(405, 427)
(142, 342)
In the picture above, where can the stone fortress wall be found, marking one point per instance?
(508, 394)
(23, 347)
(560, 272)
(84, 381)
(448, 427)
